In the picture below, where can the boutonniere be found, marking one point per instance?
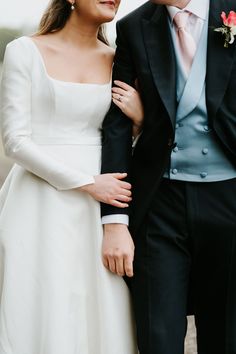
(228, 29)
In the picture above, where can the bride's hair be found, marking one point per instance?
(56, 16)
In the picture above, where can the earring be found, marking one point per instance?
(73, 5)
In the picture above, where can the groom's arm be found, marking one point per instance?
(117, 129)
(118, 247)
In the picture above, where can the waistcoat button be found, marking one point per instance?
(205, 151)
(203, 174)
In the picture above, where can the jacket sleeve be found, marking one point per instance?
(15, 109)
(117, 129)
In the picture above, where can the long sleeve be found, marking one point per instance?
(117, 129)
(15, 108)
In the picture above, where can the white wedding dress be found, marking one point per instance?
(56, 297)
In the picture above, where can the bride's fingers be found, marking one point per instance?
(125, 185)
(123, 192)
(120, 91)
(118, 97)
(120, 266)
(112, 265)
(123, 198)
(123, 85)
(126, 192)
(124, 100)
(105, 262)
(128, 265)
(118, 204)
(118, 103)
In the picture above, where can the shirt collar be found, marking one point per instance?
(199, 8)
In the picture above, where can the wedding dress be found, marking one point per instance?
(56, 297)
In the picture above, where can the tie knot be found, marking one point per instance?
(180, 19)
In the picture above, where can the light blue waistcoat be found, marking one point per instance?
(197, 156)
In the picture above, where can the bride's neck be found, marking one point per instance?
(80, 32)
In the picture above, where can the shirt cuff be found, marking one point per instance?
(115, 219)
(135, 140)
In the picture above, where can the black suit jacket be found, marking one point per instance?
(145, 51)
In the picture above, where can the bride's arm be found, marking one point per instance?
(128, 99)
(16, 123)
(15, 108)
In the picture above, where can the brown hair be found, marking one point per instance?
(56, 16)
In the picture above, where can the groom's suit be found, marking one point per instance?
(184, 229)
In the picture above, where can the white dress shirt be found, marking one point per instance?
(199, 10)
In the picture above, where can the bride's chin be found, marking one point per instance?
(108, 16)
(109, 19)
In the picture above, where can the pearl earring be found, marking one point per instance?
(73, 6)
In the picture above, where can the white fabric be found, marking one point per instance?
(56, 295)
(199, 10)
(115, 219)
(28, 117)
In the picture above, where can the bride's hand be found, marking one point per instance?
(128, 100)
(110, 189)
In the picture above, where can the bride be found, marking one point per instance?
(56, 295)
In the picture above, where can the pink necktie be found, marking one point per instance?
(186, 42)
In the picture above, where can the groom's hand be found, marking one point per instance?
(118, 249)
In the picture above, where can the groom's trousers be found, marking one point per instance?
(188, 240)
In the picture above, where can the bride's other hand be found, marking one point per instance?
(129, 101)
(110, 189)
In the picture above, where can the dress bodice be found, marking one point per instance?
(79, 109)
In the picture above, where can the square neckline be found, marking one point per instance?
(34, 45)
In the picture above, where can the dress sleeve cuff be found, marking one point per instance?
(115, 219)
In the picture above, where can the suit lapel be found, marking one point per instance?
(219, 59)
(161, 58)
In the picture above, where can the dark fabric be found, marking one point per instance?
(145, 51)
(187, 240)
(184, 233)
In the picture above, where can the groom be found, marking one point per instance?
(183, 172)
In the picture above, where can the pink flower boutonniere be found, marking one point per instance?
(228, 29)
